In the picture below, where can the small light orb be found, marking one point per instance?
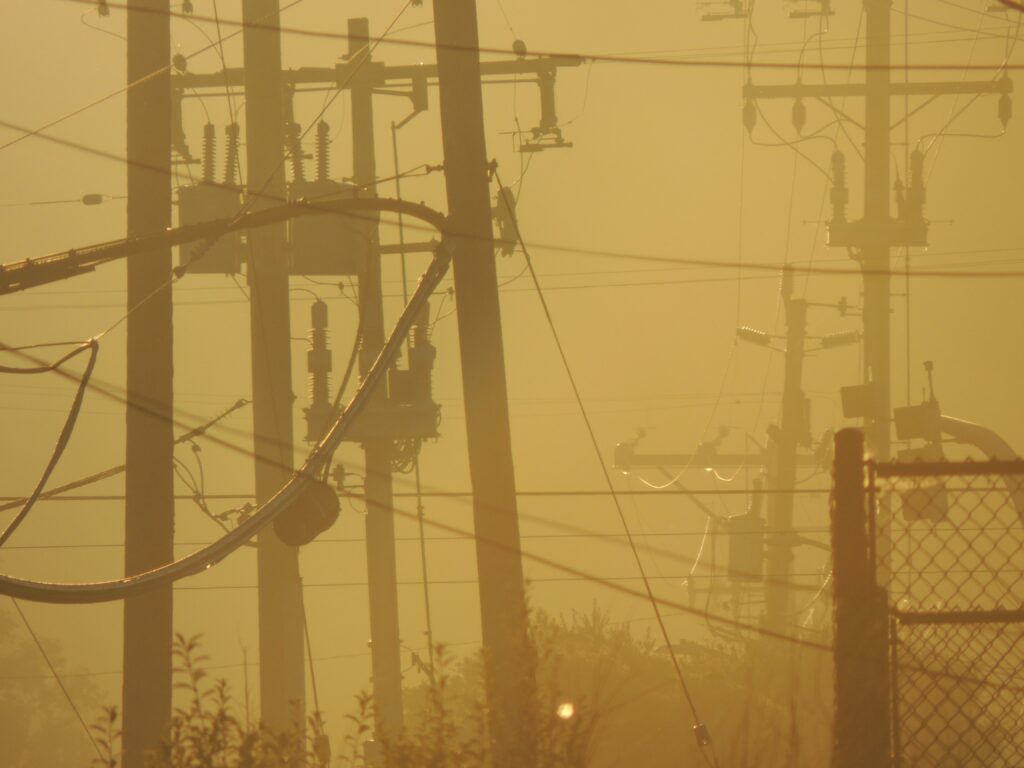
(565, 710)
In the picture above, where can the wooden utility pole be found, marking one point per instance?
(149, 436)
(282, 676)
(779, 561)
(861, 723)
(871, 238)
(874, 250)
(496, 522)
(386, 648)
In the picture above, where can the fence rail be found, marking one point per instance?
(947, 543)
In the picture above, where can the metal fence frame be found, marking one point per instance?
(969, 614)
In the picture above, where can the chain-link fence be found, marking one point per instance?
(949, 544)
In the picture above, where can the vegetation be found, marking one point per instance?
(37, 727)
(602, 698)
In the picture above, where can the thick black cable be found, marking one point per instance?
(62, 440)
(698, 725)
(94, 255)
(286, 496)
(47, 367)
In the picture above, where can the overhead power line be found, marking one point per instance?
(286, 496)
(115, 249)
(596, 57)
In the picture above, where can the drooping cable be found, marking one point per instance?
(416, 457)
(286, 496)
(65, 435)
(700, 729)
(114, 471)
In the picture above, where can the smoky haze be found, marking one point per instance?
(646, 235)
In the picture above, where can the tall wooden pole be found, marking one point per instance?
(495, 517)
(282, 676)
(778, 592)
(149, 437)
(385, 647)
(874, 252)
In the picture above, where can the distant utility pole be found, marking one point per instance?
(149, 436)
(794, 432)
(282, 676)
(875, 242)
(495, 517)
(871, 238)
(386, 648)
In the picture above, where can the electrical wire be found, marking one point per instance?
(597, 57)
(286, 495)
(699, 726)
(56, 677)
(65, 435)
(114, 94)
(191, 434)
(302, 207)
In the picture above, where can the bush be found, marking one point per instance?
(600, 698)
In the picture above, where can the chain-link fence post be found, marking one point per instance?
(861, 735)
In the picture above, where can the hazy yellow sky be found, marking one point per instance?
(660, 165)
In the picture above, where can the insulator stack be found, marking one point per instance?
(320, 410)
(323, 151)
(209, 201)
(754, 336)
(209, 152)
(799, 116)
(749, 115)
(231, 156)
(295, 152)
(1005, 110)
(548, 117)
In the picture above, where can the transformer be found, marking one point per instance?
(209, 201)
(328, 243)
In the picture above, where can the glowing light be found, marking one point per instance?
(566, 710)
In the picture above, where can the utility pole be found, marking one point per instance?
(496, 523)
(282, 676)
(794, 431)
(871, 238)
(385, 648)
(874, 245)
(149, 436)
(390, 418)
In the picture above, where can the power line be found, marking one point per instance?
(56, 677)
(473, 582)
(416, 539)
(288, 208)
(65, 434)
(699, 727)
(267, 512)
(556, 524)
(597, 57)
(125, 89)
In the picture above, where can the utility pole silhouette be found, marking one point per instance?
(871, 238)
(385, 648)
(149, 436)
(282, 676)
(480, 335)
(495, 517)
(794, 431)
